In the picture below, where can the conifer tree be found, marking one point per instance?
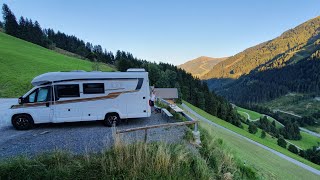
(10, 23)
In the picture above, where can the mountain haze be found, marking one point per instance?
(201, 65)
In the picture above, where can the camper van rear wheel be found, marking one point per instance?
(22, 122)
(111, 118)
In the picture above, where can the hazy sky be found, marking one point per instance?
(167, 30)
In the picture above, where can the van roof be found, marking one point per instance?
(71, 76)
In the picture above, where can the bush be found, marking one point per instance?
(282, 142)
(253, 128)
(302, 153)
(247, 172)
(263, 134)
(293, 149)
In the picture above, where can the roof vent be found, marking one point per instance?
(136, 70)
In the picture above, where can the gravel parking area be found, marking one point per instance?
(80, 137)
(6, 103)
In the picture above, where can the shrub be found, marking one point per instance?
(263, 134)
(302, 153)
(253, 128)
(293, 149)
(282, 142)
(247, 172)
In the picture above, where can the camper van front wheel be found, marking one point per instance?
(22, 122)
(111, 118)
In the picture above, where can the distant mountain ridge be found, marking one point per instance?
(289, 47)
(201, 65)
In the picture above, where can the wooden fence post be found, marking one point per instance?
(145, 135)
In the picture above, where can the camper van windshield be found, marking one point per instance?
(38, 95)
(32, 97)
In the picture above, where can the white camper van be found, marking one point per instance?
(83, 96)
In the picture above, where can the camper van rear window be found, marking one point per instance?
(68, 90)
(93, 88)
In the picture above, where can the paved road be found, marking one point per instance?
(248, 115)
(286, 112)
(302, 129)
(298, 163)
(259, 118)
(309, 132)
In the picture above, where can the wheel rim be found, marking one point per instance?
(22, 122)
(112, 119)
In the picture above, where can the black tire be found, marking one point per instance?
(22, 122)
(110, 118)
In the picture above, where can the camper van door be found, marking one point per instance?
(42, 109)
(66, 107)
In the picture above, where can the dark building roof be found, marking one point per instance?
(166, 93)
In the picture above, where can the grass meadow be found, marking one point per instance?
(21, 61)
(268, 141)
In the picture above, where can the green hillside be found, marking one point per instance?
(21, 61)
(260, 159)
(269, 141)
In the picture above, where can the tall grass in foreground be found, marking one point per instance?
(136, 161)
(219, 158)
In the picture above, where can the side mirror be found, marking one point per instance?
(21, 100)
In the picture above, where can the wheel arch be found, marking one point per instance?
(112, 113)
(17, 114)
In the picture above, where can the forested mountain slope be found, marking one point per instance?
(292, 46)
(302, 77)
(289, 63)
(201, 65)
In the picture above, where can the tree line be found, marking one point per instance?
(31, 31)
(161, 75)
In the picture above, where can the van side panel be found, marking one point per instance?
(126, 94)
(137, 101)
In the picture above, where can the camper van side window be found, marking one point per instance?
(68, 90)
(93, 88)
